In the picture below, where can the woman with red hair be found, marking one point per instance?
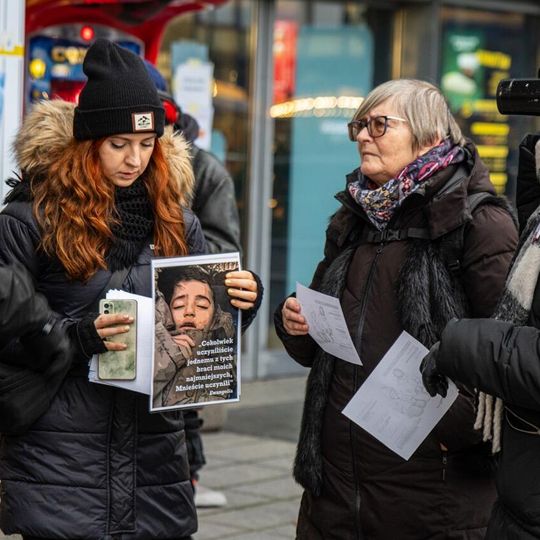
(101, 203)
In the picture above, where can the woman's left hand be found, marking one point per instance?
(241, 288)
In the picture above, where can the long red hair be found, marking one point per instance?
(74, 207)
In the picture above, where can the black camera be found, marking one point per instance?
(519, 96)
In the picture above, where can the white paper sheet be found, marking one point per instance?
(143, 380)
(392, 404)
(327, 324)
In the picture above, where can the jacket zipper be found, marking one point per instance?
(367, 289)
(357, 498)
(444, 460)
(363, 310)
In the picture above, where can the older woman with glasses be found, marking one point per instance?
(407, 250)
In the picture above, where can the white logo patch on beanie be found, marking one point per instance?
(143, 121)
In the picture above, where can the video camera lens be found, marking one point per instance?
(519, 96)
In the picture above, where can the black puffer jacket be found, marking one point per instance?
(214, 203)
(504, 361)
(22, 311)
(97, 465)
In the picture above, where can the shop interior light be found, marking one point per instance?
(317, 106)
(87, 33)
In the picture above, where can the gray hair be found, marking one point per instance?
(422, 104)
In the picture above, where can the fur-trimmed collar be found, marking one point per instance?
(48, 130)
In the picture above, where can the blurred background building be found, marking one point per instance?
(273, 84)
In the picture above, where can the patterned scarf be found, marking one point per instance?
(134, 227)
(381, 202)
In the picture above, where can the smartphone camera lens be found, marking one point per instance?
(106, 306)
(106, 311)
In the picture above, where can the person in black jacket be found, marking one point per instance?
(213, 200)
(501, 358)
(214, 203)
(385, 260)
(102, 192)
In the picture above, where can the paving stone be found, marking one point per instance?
(239, 474)
(263, 517)
(258, 535)
(263, 449)
(216, 531)
(282, 463)
(288, 532)
(270, 392)
(274, 489)
(236, 498)
(225, 439)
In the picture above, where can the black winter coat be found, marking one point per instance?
(97, 454)
(214, 203)
(367, 492)
(97, 465)
(22, 311)
(504, 361)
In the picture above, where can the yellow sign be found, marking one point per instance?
(71, 55)
(17, 50)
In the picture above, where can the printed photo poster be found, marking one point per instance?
(196, 337)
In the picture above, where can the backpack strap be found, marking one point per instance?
(452, 242)
(115, 281)
(392, 235)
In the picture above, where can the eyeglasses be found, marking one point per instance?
(376, 126)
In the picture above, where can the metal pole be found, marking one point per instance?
(11, 82)
(260, 175)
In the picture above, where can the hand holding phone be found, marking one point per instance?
(119, 364)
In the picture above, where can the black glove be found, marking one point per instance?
(434, 381)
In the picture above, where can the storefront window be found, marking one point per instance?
(323, 65)
(479, 48)
(210, 50)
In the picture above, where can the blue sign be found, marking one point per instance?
(330, 63)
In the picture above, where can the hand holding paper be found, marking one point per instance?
(327, 324)
(392, 404)
(293, 320)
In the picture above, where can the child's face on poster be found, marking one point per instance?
(192, 306)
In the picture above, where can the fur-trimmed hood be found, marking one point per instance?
(48, 130)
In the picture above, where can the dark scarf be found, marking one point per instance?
(134, 227)
(381, 202)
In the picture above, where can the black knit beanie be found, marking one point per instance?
(119, 96)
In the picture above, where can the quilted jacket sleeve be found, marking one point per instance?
(194, 236)
(495, 357)
(19, 240)
(214, 203)
(489, 245)
(22, 311)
